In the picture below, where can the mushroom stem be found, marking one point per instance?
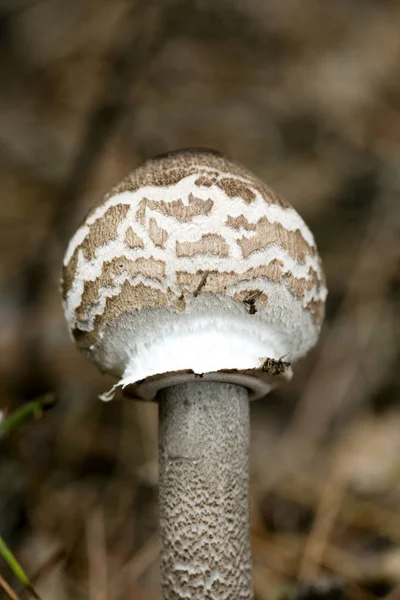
(204, 439)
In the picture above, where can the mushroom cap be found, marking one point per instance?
(192, 265)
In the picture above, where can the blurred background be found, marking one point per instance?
(306, 93)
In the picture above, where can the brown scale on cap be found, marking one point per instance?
(232, 187)
(168, 169)
(205, 181)
(99, 234)
(133, 240)
(211, 243)
(130, 298)
(218, 281)
(68, 275)
(175, 208)
(158, 235)
(150, 268)
(267, 233)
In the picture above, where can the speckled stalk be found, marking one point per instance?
(204, 436)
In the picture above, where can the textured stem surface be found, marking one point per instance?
(204, 492)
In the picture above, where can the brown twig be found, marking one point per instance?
(8, 590)
(359, 512)
(281, 554)
(97, 555)
(49, 564)
(329, 503)
(142, 559)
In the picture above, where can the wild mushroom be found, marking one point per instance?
(190, 281)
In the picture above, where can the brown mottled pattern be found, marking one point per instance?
(208, 244)
(267, 233)
(132, 240)
(234, 187)
(240, 222)
(205, 181)
(218, 281)
(176, 208)
(299, 285)
(103, 230)
(90, 297)
(148, 267)
(204, 492)
(131, 297)
(68, 274)
(157, 234)
(167, 171)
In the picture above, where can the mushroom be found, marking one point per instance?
(190, 282)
